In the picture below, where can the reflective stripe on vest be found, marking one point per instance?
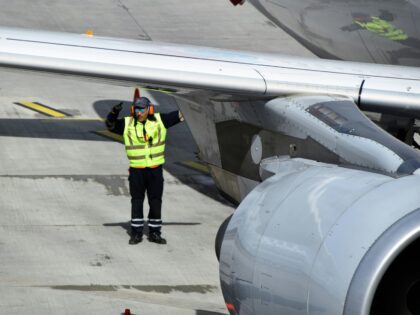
(145, 150)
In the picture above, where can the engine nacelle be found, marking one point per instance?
(322, 239)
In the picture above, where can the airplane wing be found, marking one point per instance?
(373, 87)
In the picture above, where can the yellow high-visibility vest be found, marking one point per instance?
(145, 143)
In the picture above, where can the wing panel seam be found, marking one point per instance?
(265, 82)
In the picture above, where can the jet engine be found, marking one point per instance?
(317, 238)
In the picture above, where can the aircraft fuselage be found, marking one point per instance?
(385, 32)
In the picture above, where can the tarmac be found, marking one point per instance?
(64, 199)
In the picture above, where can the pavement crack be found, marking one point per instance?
(125, 8)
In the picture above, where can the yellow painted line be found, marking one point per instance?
(43, 109)
(110, 135)
(198, 166)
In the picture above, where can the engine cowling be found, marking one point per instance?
(322, 239)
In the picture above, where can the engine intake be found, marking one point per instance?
(387, 280)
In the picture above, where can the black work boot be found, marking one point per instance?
(135, 238)
(156, 238)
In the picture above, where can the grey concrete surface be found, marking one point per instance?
(64, 201)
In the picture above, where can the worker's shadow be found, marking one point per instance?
(201, 312)
(127, 227)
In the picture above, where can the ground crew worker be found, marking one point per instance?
(144, 135)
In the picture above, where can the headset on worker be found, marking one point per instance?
(136, 96)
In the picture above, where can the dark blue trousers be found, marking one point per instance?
(142, 181)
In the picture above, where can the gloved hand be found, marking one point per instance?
(117, 108)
